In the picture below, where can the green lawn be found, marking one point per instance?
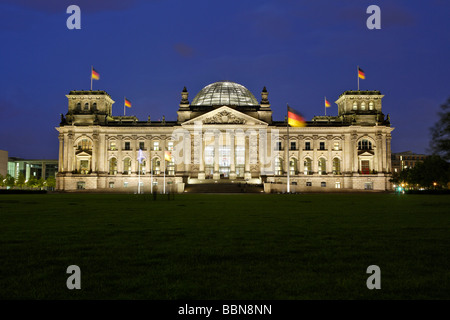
(256, 246)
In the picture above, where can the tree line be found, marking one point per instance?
(434, 171)
(32, 183)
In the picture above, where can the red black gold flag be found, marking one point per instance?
(295, 119)
(361, 73)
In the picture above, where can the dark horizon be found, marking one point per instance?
(149, 50)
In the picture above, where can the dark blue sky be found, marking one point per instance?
(148, 50)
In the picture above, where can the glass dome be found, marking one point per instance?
(224, 93)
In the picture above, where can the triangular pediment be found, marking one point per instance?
(224, 116)
(365, 154)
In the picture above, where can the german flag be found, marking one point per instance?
(361, 73)
(295, 119)
(168, 156)
(127, 103)
(95, 75)
(327, 104)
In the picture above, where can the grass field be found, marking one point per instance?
(310, 246)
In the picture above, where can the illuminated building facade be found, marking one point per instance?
(224, 135)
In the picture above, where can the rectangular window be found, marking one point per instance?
(307, 145)
(368, 186)
(112, 145)
(293, 145)
(323, 184)
(111, 185)
(322, 146)
(156, 146)
(170, 146)
(279, 146)
(125, 184)
(309, 184)
(81, 185)
(337, 185)
(127, 146)
(142, 145)
(336, 146)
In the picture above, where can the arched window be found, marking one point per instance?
(307, 166)
(127, 166)
(278, 166)
(364, 144)
(86, 106)
(336, 166)
(156, 166)
(113, 166)
(142, 166)
(322, 166)
(79, 106)
(94, 106)
(363, 106)
(293, 166)
(371, 105)
(170, 166)
(85, 145)
(355, 105)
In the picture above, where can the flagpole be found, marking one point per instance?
(92, 69)
(124, 106)
(357, 75)
(287, 146)
(139, 184)
(164, 157)
(151, 174)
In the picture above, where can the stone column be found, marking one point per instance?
(315, 160)
(247, 173)
(232, 156)
(388, 153)
(95, 152)
(300, 165)
(201, 152)
(329, 155)
(61, 153)
(378, 165)
(355, 153)
(119, 155)
(134, 164)
(216, 174)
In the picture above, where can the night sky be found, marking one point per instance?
(148, 50)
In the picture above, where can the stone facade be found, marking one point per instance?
(224, 135)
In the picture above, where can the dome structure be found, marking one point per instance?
(224, 93)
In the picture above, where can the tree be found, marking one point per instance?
(10, 181)
(433, 170)
(51, 182)
(20, 182)
(2, 181)
(440, 133)
(32, 182)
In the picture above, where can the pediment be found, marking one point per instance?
(83, 153)
(365, 154)
(224, 116)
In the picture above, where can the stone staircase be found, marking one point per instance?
(223, 188)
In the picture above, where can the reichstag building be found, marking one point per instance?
(224, 135)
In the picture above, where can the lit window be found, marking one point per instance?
(363, 106)
(323, 184)
(278, 166)
(81, 185)
(355, 106)
(170, 146)
(125, 184)
(112, 145)
(156, 145)
(322, 166)
(278, 146)
(337, 185)
(127, 166)
(307, 166)
(111, 185)
(371, 105)
(336, 146)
